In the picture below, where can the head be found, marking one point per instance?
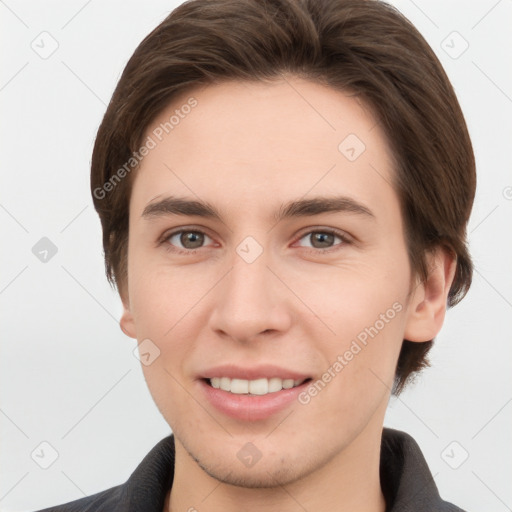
(246, 106)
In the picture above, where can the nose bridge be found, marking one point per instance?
(249, 277)
(249, 300)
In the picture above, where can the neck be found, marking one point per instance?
(348, 481)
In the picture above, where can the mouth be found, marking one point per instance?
(251, 393)
(256, 387)
(254, 399)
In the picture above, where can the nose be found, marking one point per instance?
(251, 302)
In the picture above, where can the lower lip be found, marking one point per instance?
(250, 407)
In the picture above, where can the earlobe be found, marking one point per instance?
(428, 303)
(127, 323)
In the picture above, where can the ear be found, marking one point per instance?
(127, 323)
(428, 303)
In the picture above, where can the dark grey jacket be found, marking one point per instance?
(406, 481)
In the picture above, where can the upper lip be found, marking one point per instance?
(264, 371)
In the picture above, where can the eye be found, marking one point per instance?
(323, 239)
(190, 240)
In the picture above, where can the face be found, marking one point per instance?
(315, 295)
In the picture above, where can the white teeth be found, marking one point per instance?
(257, 387)
(288, 383)
(239, 386)
(225, 383)
(275, 384)
(253, 387)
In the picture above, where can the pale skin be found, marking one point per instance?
(246, 149)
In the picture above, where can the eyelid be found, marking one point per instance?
(325, 229)
(183, 229)
(343, 235)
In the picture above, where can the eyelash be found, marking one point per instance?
(176, 250)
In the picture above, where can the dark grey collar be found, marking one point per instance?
(406, 481)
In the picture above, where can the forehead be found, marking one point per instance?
(254, 141)
(248, 111)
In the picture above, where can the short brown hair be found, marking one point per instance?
(365, 47)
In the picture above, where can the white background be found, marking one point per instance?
(68, 373)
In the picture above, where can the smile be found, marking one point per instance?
(261, 386)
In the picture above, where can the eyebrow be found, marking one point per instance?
(297, 208)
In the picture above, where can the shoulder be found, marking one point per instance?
(406, 478)
(145, 489)
(102, 501)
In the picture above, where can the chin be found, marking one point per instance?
(265, 476)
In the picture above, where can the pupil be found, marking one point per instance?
(193, 238)
(323, 237)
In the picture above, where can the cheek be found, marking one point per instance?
(366, 313)
(352, 298)
(359, 363)
(169, 308)
(162, 296)
(166, 312)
